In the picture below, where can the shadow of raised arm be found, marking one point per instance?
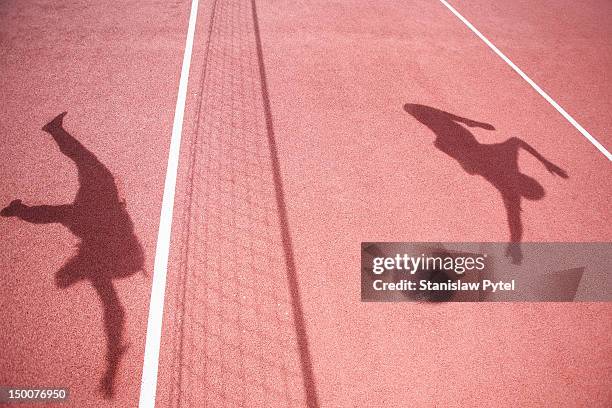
(551, 167)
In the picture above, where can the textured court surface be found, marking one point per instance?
(297, 146)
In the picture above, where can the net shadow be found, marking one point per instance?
(241, 339)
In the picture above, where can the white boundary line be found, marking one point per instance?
(535, 86)
(150, 366)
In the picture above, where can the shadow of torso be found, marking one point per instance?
(99, 218)
(496, 162)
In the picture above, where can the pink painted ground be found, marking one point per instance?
(297, 147)
(115, 70)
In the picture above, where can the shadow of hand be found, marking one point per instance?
(556, 170)
(486, 126)
(12, 209)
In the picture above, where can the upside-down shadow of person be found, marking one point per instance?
(108, 248)
(496, 162)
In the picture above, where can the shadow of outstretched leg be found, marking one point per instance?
(67, 144)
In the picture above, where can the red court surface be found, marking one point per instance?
(304, 134)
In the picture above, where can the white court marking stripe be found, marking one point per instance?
(535, 86)
(150, 366)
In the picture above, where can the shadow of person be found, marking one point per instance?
(497, 163)
(108, 248)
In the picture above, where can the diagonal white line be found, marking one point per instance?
(535, 86)
(148, 386)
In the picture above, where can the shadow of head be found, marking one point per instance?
(422, 113)
(412, 108)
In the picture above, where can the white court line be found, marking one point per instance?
(150, 366)
(535, 86)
